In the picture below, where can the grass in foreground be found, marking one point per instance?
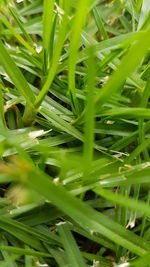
(74, 133)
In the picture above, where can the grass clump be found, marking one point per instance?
(74, 133)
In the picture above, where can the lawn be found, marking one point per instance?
(74, 133)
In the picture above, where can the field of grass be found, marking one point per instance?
(74, 133)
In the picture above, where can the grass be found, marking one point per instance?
(74, 133)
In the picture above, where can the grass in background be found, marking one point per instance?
(74, 133)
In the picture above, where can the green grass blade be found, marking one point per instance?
(20, 24)
(2, 119)
(59, 257)
(23, 236)
(24, 251)
(48, 12)
(72, 251)
(145, 11)
(89, 114)
(99, 23)
(143, 103)
(15, 74)
(127, 113)
(137, 51)
(124, 201)
(145, 144)
(56, 55)
(78, 23)
(83, 214)
(17, 35)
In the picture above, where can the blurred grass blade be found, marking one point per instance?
(82, 213)
(145, 11)
(141, 262)
(136, 52)
(74, 133)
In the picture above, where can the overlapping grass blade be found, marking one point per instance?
(24, 251)
(17, 35)
(137, 51)
(83, 214)
(124, 201)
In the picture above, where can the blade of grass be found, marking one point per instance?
(137, 175)
(48, 12)
(20, 24)
(145, 10)
(12, 224)
(56, 55)
(2, 119)
(17, 35)
(79, 20)
(78, 23)
(15, 74)
(25, 237)
(89, 114)
(24, 251)
(8, 258)
(143, 104)
(99, 47)
(81, 212)
(127, 112)
(73, 253)
(137, 151)
(131, 203)
(137, 51)
(59, 257)
(99, 23)
(19, 81)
